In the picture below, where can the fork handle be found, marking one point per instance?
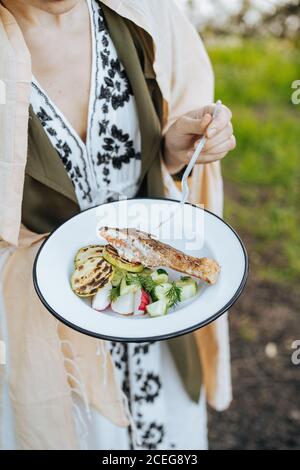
(186, 174)
(193, 160)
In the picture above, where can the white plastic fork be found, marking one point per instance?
(184, 181)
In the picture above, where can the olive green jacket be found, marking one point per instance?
(49, 198)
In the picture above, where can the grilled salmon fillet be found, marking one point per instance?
(137, 246)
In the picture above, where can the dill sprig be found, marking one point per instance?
(173, 295)
(146, 282)
(114, 293)
(132, 279)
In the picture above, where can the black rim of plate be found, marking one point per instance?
(151, 338)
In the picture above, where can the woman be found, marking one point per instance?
(98, 111)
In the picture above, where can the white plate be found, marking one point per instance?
(192, 229)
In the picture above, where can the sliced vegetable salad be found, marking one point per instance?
(128, 288)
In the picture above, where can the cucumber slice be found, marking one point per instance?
(157, 309)
(188, 288)
(126, 288)
(188, 291)
(160, 290)
(160, 276)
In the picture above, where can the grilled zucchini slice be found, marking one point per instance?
(110, 254)
(90, 251)
(90, 276)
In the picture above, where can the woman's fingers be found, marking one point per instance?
(219, 122)
(217, 152)
(218, 139)
(212, 158)
(185, 133)
(193, 126)
(226, 146)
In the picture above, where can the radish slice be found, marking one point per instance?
(102, 299)
(124, 304)
(141, 300)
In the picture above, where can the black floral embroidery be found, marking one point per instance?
(51, 131)
(105, 93)
(105, 42)
(103, 124)
(153, 435)
(142, 348)
(63, 149)
(43, 116)
(117, 148)
(150, 387)
(119, 353)
(123, 148)
(101, 23)
(116, 88)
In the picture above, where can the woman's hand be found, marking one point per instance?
(184, 135)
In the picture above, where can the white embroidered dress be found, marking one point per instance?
(107, 165)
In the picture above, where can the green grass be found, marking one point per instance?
(262, 175)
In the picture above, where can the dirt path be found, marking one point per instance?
(265, 412)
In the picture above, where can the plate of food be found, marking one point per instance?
(140, 270)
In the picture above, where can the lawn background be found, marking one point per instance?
(262, 176)
(262, 180)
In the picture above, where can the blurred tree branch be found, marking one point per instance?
(283, 21)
